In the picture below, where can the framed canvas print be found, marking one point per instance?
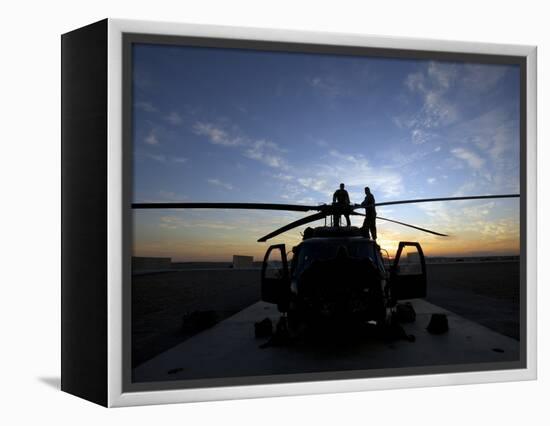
(252, 212)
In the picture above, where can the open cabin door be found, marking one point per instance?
(408, 272)
(276, 277)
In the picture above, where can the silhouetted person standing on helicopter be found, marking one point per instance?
(341, 198)
(369, 224)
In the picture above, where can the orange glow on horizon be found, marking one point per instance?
(219, 251)
(214, 237)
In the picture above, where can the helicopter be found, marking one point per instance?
(337, 274)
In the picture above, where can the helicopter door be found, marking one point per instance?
(408, 272)
(275, 276)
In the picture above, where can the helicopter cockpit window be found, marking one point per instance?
(318, 252)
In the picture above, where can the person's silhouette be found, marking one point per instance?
(369, 224)
(341, 199)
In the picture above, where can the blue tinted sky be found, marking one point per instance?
(237, 125)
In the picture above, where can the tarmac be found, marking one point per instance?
(229, 349)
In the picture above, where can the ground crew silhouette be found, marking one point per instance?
(369, 224)
(341, 198)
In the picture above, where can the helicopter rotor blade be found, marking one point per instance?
(430, 200)
(323, 210)
(412, 226)
(247, 206)
(404, 224)
(302, 221)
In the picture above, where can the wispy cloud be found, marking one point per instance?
(283, 177)
(266, 152)
(420, 136)
(435, 83)
(161, 158)
(262, 150)
(495, 132)
(216, 134)
(151, 138)
(145, 106)
(493, 137)
(174, 118)
(470, 157)
(432, 84)
(217, 182)
(354, 170)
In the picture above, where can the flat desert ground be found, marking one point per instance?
(170, 307)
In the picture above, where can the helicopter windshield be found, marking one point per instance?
(311, 252)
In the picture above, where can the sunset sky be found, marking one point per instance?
(249, 126)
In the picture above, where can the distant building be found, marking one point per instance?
(241, 262)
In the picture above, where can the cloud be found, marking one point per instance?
(145, 106)
(442, 74)
(488, 144)
(262, 150)
(416, 81)
(161, 158)
(216, 134)
(442, 87)
(431, 84)
(174, 118)
(151, 138)
(473, 160)
(346, 157)
(266, 152)
(354, 170)
(420, 136)
(431, 180)
(398, 158)
(495, 132)
(283, 177)
(217, 182)
(474, 221)
(318, 185)
(494, 135)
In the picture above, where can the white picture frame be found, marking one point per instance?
(116, 395)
